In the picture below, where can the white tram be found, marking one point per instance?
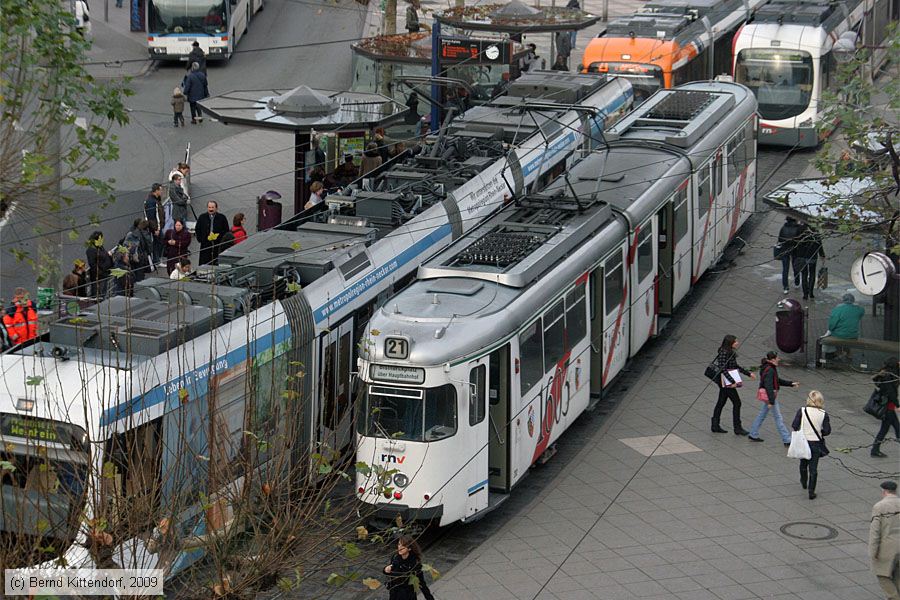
(158, 392)
(785, 55)
(473, 371)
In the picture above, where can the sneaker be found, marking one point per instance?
(787, 291)
(755, 439)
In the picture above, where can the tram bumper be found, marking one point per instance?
(800, 137)
(390, 512)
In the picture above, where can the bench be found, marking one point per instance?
(866, 346)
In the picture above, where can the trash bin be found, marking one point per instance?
(268, 211)
(789, 326)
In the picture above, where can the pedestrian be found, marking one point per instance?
(346, 172)
(573, 5)
(100, 263)
(784, 251)
(119, 3)
(7, 330)
(316, 195)
(807, 250)
(178, 101)
(82, 18)
(182, 270)
(197, 56)
(563, 47)
(726, 360)
(196, 88)
(884, 540)
(412, 105)
(14, 322)
(769, 383)
(887, 381)
(184, 169)
(412, 18)
(397, 149)
(843, 322)
(180, 200)
(210, 226)
(383, 145)
(237, 228)
(24, 304)
(813, 421)
(407, 562)
(560, 64)
(123, 284)
(76, 282)
(155, 213)
(371, 159)
(177, 241)
(140, 246)
(531, 59)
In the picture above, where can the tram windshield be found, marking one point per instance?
(416, 415)
(782, 80)
(644, 79)
(186, 16)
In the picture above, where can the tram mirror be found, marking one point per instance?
(844, 48)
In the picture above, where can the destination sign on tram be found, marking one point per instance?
(38, 430)
(397, 374)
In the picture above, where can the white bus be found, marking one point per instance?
(174, 25)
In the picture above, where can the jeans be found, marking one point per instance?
(195, 111)
(726, 394)
(779, 421)
(785, 270)
(809, 468)
(806, 270)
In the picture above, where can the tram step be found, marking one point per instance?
(547, 455)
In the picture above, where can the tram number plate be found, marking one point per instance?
(397, 348)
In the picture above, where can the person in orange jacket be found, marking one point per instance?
(25, 316)
(14, 323)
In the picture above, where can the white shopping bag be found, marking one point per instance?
(799, 446)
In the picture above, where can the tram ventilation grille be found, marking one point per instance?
(501, 248)
(681, 105)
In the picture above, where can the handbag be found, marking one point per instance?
(712, 371)
(777, 251)
(762, 395)
(825, 451)
(875, 406)
(799, 447)
(822, 278)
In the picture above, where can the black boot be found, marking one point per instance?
(876, 451)
(716, 428)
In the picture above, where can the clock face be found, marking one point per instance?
(492, 52)
(870, 273)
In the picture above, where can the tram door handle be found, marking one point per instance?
(500, 439)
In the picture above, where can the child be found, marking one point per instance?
(178, 100)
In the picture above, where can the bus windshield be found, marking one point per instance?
(186, 16)
(782, 80)
(415, 415)
(644, 79)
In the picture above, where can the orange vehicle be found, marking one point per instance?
(669, 42)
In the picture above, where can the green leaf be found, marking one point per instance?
(336, 579)
(351, 550)
(363, 469)
(293, 287)
(34, 380)
(435, 574)
(7, 466)
(324, 469)
(118, 272)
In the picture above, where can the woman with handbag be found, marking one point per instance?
(769, 382)
(813, 421)
(726, 360)
(887, 381)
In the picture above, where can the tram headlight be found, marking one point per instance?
(401, 480)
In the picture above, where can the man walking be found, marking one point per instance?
(211, 226)
(196, 88)
(197, 56)
(884, 540)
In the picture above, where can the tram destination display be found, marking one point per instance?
(38, 430)
(473, 50)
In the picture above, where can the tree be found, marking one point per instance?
(866, 106)
(55, 122)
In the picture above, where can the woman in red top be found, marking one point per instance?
(237, 228)
(887, 380)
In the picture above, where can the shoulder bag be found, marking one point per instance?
(825, 451)
(875, 406)
(762, 394)
(712, 371)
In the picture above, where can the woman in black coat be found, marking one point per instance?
(726, 360)
(407, 562)
(887, 380)
(175, 245)
(99, 265)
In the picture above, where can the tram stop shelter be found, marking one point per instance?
(304, 110)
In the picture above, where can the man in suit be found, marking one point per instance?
(210, 228)
(884, 540)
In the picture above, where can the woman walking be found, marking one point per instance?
(407, 562)
(813, 421)
(887, 381)
(769, 382)
(726, 360)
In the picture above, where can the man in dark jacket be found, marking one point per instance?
(807, 251)
(784, 251)
(197, 56)
(196, 88)
(211, 226)
(154, 213)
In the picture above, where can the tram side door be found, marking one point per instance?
(335, 360)
(499, 410)
(475, 473)
(595, 282)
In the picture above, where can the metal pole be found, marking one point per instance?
(605, 11)
(302, 145)
(106, 10)
(435, 72)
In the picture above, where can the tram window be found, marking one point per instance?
(645, 252)
(576, 316)
(554, 335)
(681, 213)
(750, 141)
(614, 283)
(735, 156)
(531, 354)
(703, 191)
(717, 174)
(270, 381)
(440, 412)
(477, 407)
(226, 457)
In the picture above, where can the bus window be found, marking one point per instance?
(531, 353)
(477, 404)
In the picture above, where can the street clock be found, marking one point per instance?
(871, 272)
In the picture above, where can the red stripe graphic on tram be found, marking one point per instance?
(553, 408)
(615, 335)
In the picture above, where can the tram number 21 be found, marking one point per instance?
(397, 348)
